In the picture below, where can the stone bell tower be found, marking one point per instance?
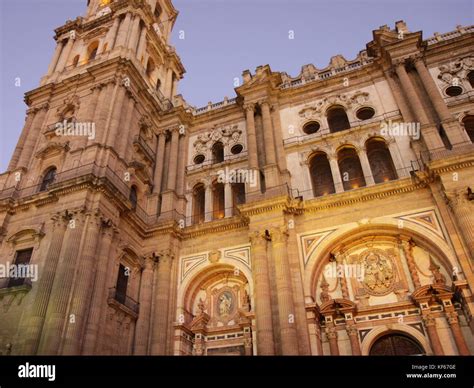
(91, 149)
(106, 67)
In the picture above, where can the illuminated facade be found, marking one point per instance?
(329, 213)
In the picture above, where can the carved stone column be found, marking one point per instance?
(116, 118)
(268, 133)
(83, 284)
(304, 346)
(62, 62)
(331, 334)
(453, 130)
(263, 309)
(123, 31)
(458, 336)
(251, 136)
(142, 44)
(364, 162)
(111, 34)
(410, 92)
(353, 334)
(54, 61)
(463, 209)
(340, 260)
(30, 115)
(336, 174)
(280, 150)
(144, 317)
(429, 131)
(45, 284)
(162, 295)
(90, 111)
(159, 160)
(34, 133)
(399, 98)
(430, 324)
(228, 199)
(289, 339)
(173, 160)
(57, 308)
(407, 245)
(99, 296)
(134, 35)
(401, 171)
(182, 158)
(208, 203)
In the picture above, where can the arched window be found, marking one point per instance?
(470, 78)
(350, 169)
(133, 197)
(337, 119)
(218, 152)
(48, 178)
(218, 200)
(468, 122)
(238, 193)
(199, 200)
(380, 161)
(75, 61)
(150, 68)
(396, 344)
(157, 12)
(92, 51)
(321, 176)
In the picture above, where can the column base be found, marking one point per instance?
(456, 135)
(169, 201)
(431, 137)
(272, 176)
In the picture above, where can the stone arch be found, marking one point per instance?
(388, 226)
(382, 330)
(206, 270)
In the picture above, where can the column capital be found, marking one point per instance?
(165, 256)
(452, 317)
(429, 320)
(279, 234)
(352, 330)
(249, 107)
(149, 261)
(331, 332)
(264, 102)
(257, 238)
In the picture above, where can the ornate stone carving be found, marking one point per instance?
(379, 271)
(214, 256)
(456, 70)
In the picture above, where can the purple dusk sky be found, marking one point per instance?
(222, 38)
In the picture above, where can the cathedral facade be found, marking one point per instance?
(329, 213)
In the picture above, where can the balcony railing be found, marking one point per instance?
(124, 300)
(444, 153)
(143, 145)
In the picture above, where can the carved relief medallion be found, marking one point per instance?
(379, 272)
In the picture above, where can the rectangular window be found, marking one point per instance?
(20, 271)
(122, 283)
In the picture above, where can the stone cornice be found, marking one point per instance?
(365, 194)
(224, 225)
